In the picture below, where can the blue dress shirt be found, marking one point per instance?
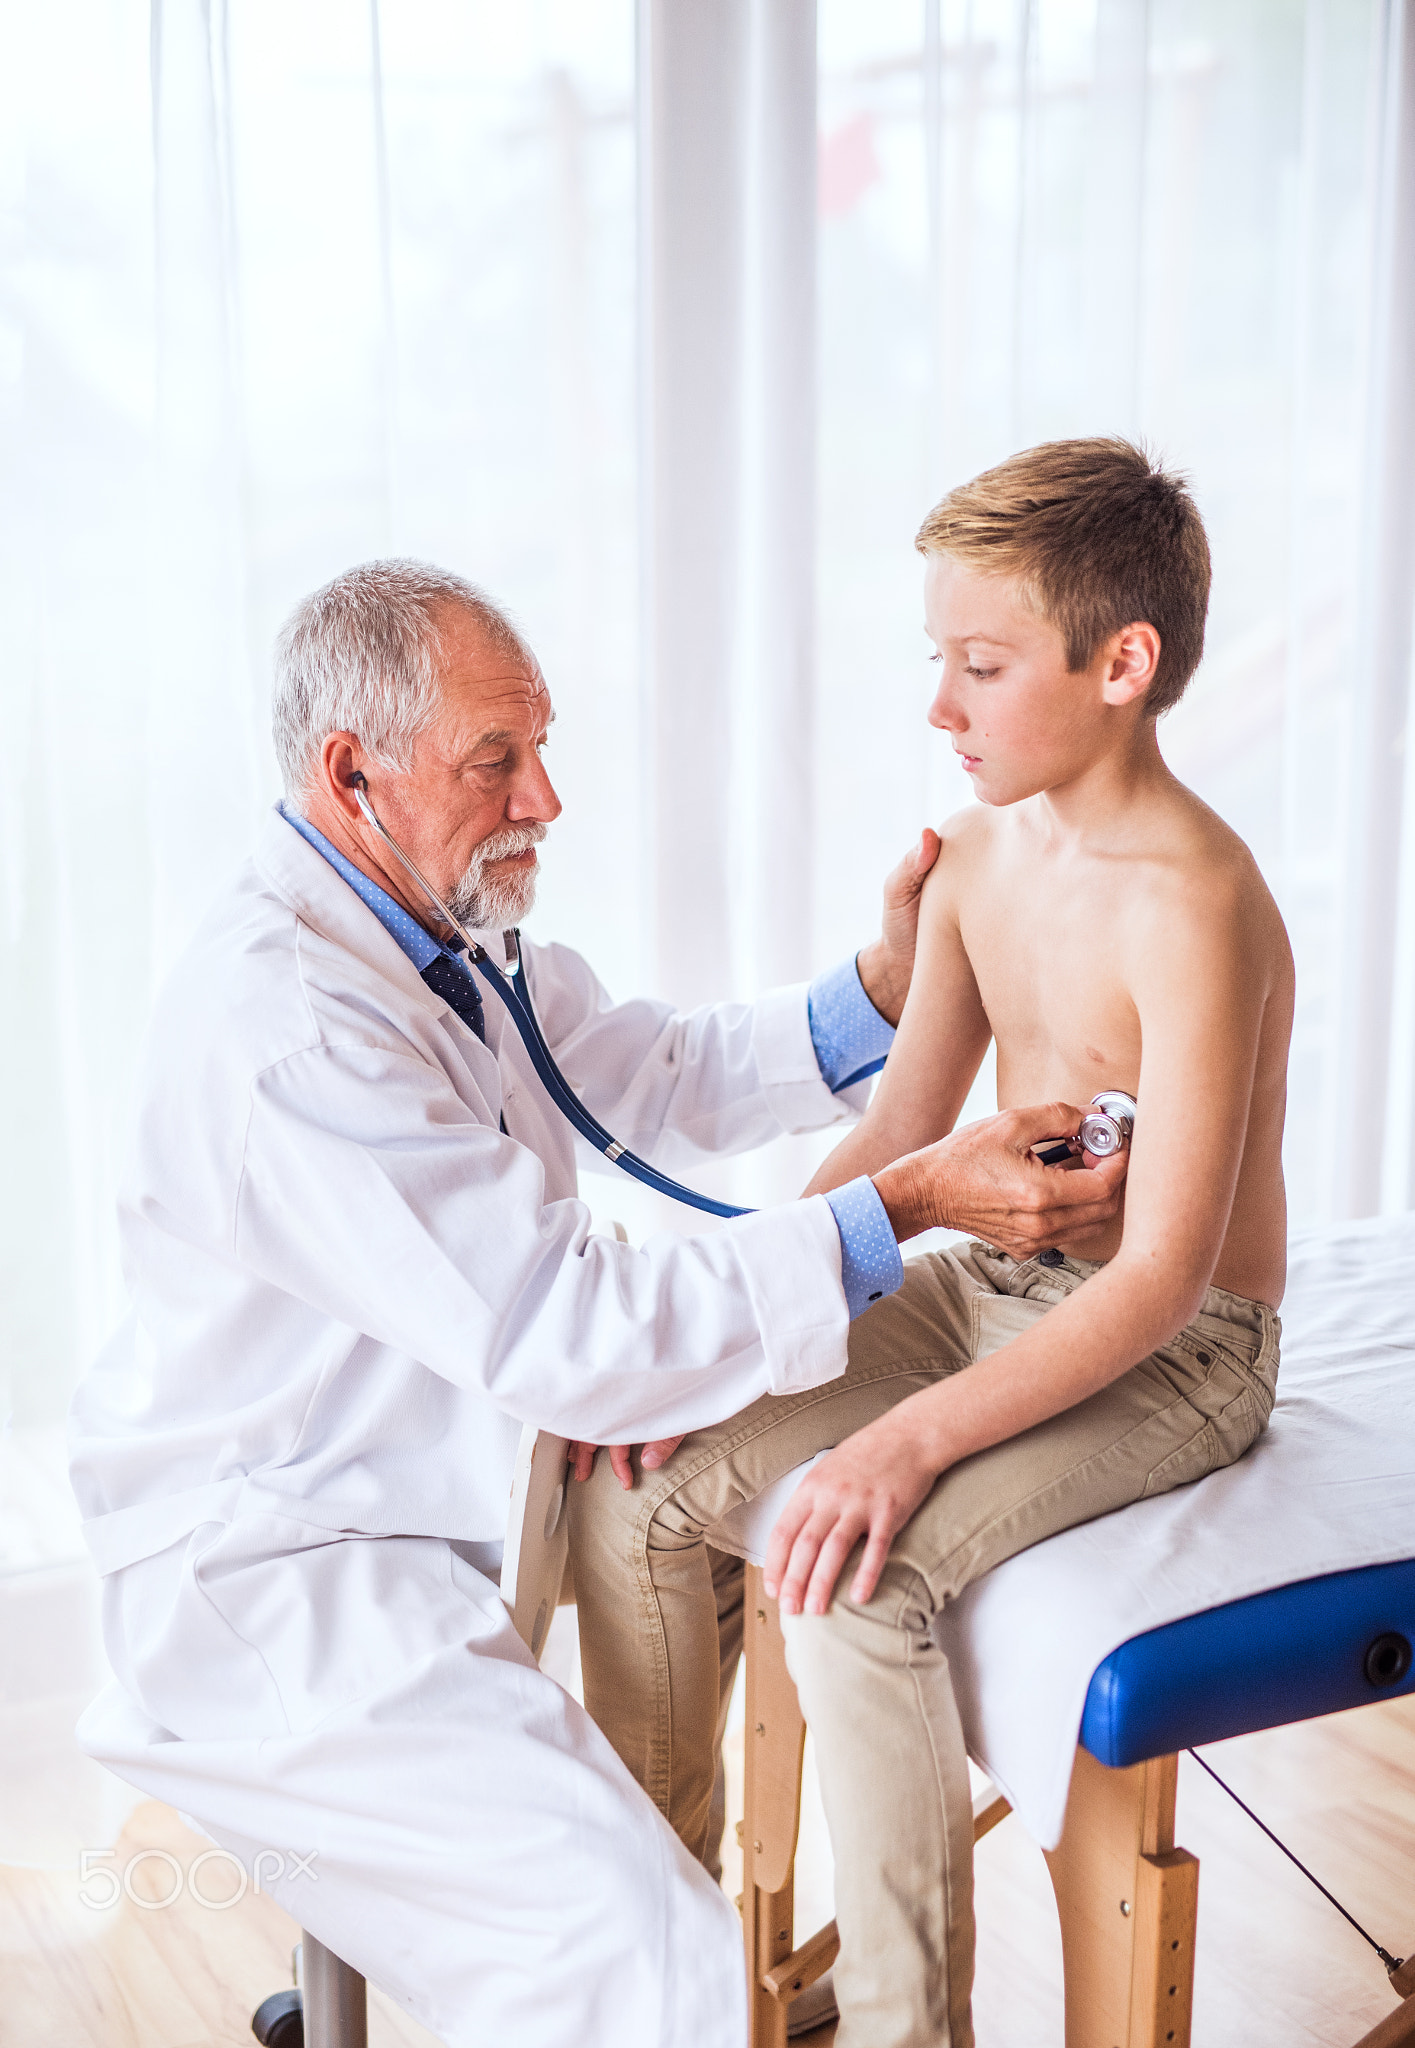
(848, 1033)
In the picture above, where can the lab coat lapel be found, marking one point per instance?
(321, 898)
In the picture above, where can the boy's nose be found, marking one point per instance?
(944, 714)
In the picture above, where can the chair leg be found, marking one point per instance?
(775, 1743)
(1127, 1900)
(335, 1999)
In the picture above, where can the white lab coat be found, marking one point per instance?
(349, 1289)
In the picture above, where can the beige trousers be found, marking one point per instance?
(660, 1612)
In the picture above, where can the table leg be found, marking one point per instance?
(1127, 1901)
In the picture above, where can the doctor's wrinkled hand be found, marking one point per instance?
(986, 1181)
(886, 965)
(582, 1457)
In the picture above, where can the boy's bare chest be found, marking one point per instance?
(1050, 964)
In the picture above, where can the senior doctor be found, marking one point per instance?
(358, 1263)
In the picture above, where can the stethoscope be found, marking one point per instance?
(514, 991)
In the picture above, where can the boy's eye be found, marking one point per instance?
(981, 673)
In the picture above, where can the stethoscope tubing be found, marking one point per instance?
(515, 992)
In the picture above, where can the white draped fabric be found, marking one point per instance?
(667, 322)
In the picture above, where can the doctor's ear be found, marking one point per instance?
(339, 776)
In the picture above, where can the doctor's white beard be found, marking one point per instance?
(492, 902)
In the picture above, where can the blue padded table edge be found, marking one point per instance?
(1261, 1662)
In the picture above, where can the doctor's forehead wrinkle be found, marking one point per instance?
(506, 735)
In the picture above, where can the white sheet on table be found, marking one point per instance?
(1331, 1485)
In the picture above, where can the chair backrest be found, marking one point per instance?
(537, 1535)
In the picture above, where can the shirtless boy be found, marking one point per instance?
(1093, 917)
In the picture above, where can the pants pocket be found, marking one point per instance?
(1191, 1461)
(997, 1318)
(1217, 1441)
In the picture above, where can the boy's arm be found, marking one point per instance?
(1200, 983)
(937, 1050)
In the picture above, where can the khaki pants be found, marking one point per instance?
(660, 1613)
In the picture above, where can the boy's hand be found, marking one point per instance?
(582, 1457)
(886, 965)
(869, 1486)
(984, 1180)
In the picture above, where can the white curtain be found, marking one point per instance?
(667, 320)
(1375, 1148)
(284, 288)
(1191, 220)
(727, 170)
(281, 288)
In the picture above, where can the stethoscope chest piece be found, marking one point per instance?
(1106, 1127)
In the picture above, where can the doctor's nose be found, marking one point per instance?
(533, 796)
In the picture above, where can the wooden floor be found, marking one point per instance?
(178, 1976)
(1277, 1967)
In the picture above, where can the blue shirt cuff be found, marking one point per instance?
(870, 1265)
(851, 1038)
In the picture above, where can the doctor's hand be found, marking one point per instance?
(582, 1457)
(985, 1179)
(886, 964)
(869, 1486)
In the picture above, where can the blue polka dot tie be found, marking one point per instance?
(458, 990)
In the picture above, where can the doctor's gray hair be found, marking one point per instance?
(361, 656)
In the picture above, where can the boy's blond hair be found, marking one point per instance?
(1098, 537)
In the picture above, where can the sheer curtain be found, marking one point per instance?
(667, 320)
(280, 289)
(1188, 220)
(284, 288)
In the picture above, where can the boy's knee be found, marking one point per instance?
(894, 1627)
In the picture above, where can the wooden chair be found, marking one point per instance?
(1127, 1899)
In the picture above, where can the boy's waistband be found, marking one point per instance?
(1057, 1276)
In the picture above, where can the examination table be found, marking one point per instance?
(1279, 1588)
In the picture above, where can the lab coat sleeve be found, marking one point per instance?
(677, 1086)
(371, 1191)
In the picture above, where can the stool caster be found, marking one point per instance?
(328, 2009)
(279, 2021)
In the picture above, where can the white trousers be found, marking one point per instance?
(479, 1851)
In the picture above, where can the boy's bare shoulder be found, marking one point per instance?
(967, 838)
(1197, 879)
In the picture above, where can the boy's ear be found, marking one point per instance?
(1132, 658)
